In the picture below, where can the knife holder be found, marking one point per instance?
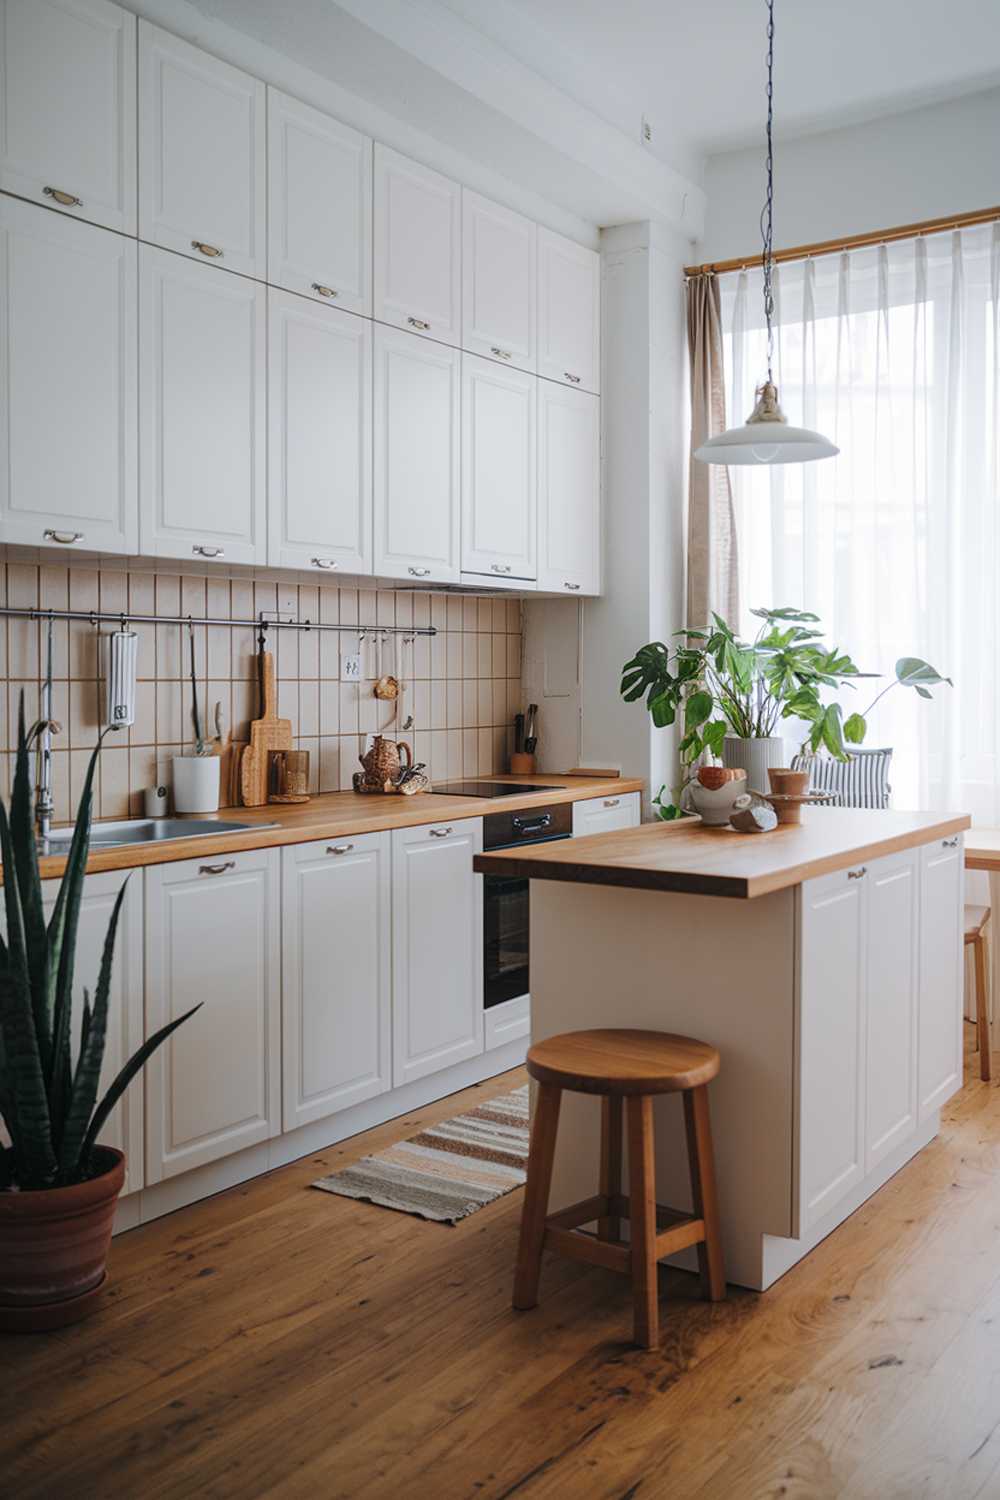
(522, 764)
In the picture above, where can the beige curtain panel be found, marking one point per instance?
(713, 558)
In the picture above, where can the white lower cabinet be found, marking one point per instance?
(336, 975)
(124, 1125)
(606, 814)
(880, 1007)
(437, 947)
(213, 935)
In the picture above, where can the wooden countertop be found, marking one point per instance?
(341, 814)
(687, 856)
(982, 849)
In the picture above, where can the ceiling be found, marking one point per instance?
(697, 70)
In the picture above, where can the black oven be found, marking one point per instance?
(505, 899)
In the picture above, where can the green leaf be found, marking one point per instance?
(137, 1061)
(22, 832)
(714, 735)
(697, 709)
(831, 731)
(855, 729)
(910, 671)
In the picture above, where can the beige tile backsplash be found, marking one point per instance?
(462, 687)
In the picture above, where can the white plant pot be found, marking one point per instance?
(754, 756)
(196, 783)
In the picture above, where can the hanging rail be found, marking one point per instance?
(260, 623)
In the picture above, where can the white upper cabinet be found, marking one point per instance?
(319, 437)
(319, 205)
(67, 118)
(499, 470)
(499, 283)
(416, 471)
(202, 165)
(569, 490)
(67, 382)
(418, 248)
(203, 411)
(569, 312)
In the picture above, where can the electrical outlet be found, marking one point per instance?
(350, 667)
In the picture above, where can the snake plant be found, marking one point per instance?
(48, 1104)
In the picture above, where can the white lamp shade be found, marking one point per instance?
(766, 443)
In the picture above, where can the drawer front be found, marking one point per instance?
(606, 814)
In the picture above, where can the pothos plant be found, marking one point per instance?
(719, 685)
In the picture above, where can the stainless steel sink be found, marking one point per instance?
(146, 831)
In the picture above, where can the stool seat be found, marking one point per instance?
(625, 1062)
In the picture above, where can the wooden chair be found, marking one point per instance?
(976, 918)
(629, 1066)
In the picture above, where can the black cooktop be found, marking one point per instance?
(490, 789)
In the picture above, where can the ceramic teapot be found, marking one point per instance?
(383, 763)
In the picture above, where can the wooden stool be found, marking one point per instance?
(976, 918)
(634, 1066)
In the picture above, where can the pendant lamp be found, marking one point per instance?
(766, 436)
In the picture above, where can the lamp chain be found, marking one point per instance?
(766, 224)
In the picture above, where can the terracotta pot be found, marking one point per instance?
(54, 1248)
(788, 783)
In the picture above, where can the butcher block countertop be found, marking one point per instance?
(341, 814)
(687, 856)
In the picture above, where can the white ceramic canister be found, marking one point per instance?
(196, 783)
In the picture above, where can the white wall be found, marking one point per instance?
(922, 164)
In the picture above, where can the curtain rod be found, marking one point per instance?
(125, 617)
(852, 241)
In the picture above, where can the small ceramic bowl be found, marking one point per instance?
(788, 783)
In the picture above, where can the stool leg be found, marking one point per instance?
(610, 1226)
(706, 1203)
(642, 1219)
(541, 1154)
(982, 1010)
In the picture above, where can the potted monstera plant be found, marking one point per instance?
(58, 1184)
(733, 696)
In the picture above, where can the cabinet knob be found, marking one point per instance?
(857, 874)
(500, 567)
(572, 586)
(500, 353)
(418, 323)
(68, 200)
(230, 864)
(212, 251)
(612, 801)
(419, 572)
(573, 379)
(324, 291)
(441, 833)
(200, 551)
(64, 538)
(339, 848)
(325, 562)
(950, 843)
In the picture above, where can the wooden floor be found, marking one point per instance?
(279, 1341)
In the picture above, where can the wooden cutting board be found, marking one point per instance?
(266, 734)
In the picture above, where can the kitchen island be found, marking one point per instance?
(825, 963)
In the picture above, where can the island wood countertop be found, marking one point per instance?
(688, 856)
(341, 814)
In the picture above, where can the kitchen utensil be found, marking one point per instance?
(288, 776)
(122, 652)
(266, 733)
(518, 733)
(529, 731)
(386, 685)
(382, 764)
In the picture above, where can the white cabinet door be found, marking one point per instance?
(892, 891)
(940, 1006)
(499, 470)
(417, 470)
(336, 975)
(606, 814)
(831, 1042)
(319, 437)
(437, 947)
(569, 312)
(124, 1125)
(569, 490)
(319, 196)
(203, 411)
(67, 382)
(499, 283)
(67, 121)
(212, 935)
(202, 154)
(418, 248)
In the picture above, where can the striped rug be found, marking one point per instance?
(449, 1170)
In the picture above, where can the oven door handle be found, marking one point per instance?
(520, 826)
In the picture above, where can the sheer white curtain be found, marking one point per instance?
(894, 353)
